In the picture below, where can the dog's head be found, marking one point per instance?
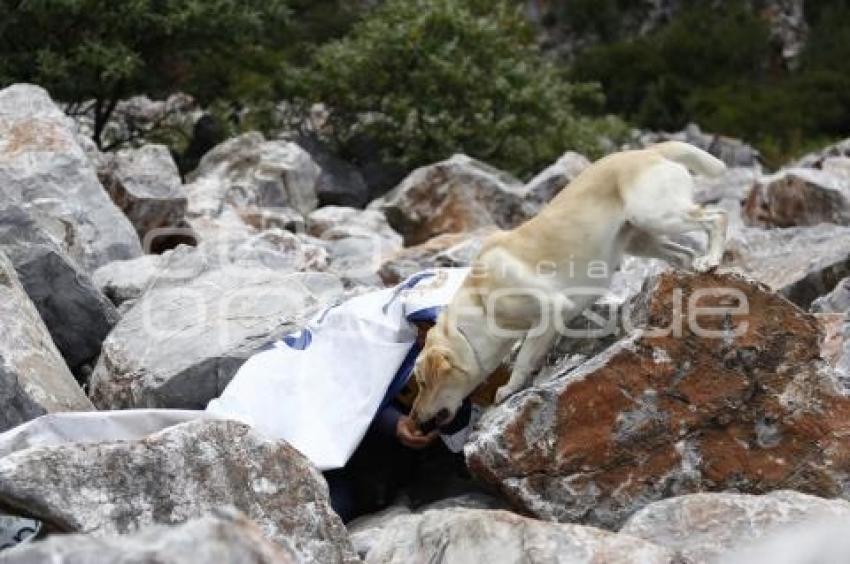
(444, 378)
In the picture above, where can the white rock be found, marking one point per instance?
(221, 536)
(126, 280)
(248, 174)
(43, 168)
(817, 159)
(803, 263)
(146, 185)
(178, 474)
(358, 241)
(203, 312)
(496, 537)
(814, 542)
(836, 301)
(704, 527)
(735, 183)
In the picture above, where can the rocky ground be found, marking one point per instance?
(124, 285)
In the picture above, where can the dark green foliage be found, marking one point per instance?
(651, 79)
(716, 66)
(421, 79)
(104, 50)
(427, 78)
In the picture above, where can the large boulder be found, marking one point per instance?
(734, 184)
(248, 175)
(221, 536)
(499, 537)
(803, 263)
(366, 531)
(34, 379)
(706, 527)
(456, 195)
(836, 301)
(358, 241)
(175, 475)
(692, 400)
(597, 328)
(124, 281)
(799, 197)
(201, 315)
(77, 315)
(340, 183)
(733, 152)
(839, 166)
(43, 168)
(817, 159)
(547, 184)
(817, 542)
(146, 185)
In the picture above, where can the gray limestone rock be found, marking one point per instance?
(173, 476)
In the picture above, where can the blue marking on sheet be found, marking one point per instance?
(299, 341)
(426, 314)
(406, 285)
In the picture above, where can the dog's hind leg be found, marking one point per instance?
(696, 218)
(660, 202)
(643, 244)
(531, 354)
(714, 221)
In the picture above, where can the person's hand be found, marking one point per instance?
(410, 436)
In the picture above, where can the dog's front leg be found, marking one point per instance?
(531, 354)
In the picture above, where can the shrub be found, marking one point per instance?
(427, 78)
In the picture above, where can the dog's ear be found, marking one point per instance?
(435, 363)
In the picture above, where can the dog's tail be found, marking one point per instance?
(687, 155)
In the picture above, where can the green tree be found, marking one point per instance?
(103, 50)
(426, 78)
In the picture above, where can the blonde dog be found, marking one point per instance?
(558, 263)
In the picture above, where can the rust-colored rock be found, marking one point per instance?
(752, 409)
(799, 197)
(447, 250)
(453, 196)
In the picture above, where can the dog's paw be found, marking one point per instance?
(683, 262)
(502, 394)
(705, 264)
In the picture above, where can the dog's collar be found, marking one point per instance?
(472, 348)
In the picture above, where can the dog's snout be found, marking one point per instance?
(443, 415)
(428, 426)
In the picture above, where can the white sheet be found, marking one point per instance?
(321, 399)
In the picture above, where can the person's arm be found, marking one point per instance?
(392, 422)
(386, 422)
